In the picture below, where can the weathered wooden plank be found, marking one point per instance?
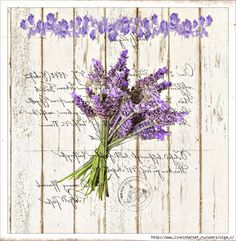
(184, 141)
(153, 54)
(214, 72)
(24, 127)
(121, 216)
(89, 214)
(57, 128)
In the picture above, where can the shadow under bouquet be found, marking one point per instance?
(121, 111)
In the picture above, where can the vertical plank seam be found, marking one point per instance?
(137, 144)
(168, 137)
(42, 138)
(105, 64)
(74, 130)
(200, 132)
(10, 95)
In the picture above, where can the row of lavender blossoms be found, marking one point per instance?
(143, 28)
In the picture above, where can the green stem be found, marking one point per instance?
(103, 152)
(94, 172)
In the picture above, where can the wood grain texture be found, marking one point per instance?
(57, 56)
(153, 55)
(184, 94)
(42, 151)
(25, 165)
(215, 82)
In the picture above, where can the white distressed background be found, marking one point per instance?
(194, 202)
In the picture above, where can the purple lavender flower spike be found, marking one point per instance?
(127, 108)
(98, 71)
(83, 106)
(146, 81)
(162, 86)
(125, 128)
(154, 132)
(98, 106)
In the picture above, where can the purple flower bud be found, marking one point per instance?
(164, 28)
(174, 18)
(64, 28)
(112, 35)
(85, 20)
(187, 31)
(93, 34)
(209, 20)
(145, 23)
(148, 35)
(51, 18)
(201, 20)
(84, 30)
(71, 24)
(40, 28)
(78, 20)
(23, 24)
(140, 33)
(195, 23)
(154, 19)
(31, 19)
(125, 28)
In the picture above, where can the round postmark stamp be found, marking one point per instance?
(128, 194)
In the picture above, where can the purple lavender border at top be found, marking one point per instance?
(143, 28)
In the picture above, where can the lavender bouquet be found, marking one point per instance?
(125, 112)
(120, 110)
